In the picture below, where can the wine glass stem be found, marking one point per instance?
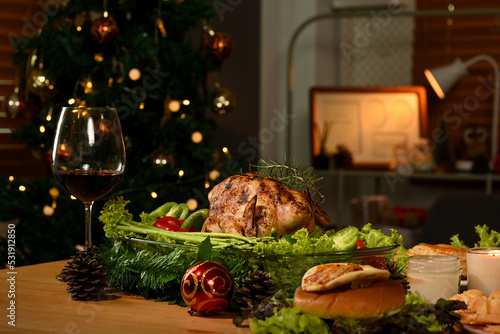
(88, 223)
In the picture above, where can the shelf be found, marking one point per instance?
(416, 176)
(394, 178)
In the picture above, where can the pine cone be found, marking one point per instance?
(393, 268)
(256, 287)
(85, 275)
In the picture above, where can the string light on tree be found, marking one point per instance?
(48, 118)
(48, 210)
(98, 57)
(197, 137)
(225, 150)
(134, 74)
(54, 193)
(154, 194)
(192, 204)
(213, 175)
(174, 105)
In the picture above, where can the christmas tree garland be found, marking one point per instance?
(156, 271)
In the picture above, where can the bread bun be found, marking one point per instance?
(381, 298)
(441, 249)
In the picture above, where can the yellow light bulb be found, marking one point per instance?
(154, 195)
(54, 192)
(134, 74)
(71, 101)
(73, 198)
(42, 128)
(174, 106)
(11, 178)
(214, 175)
(181, 173)
(192, 204)
(48, 210)
(186, 102)
(197, 137)
(22, 188)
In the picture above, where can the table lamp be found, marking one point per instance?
(442, 79)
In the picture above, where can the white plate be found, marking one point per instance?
(475, 329)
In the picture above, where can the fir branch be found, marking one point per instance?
(291, 175)
(156, 272)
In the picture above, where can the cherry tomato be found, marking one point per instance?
(360, 244)
(375, 261)
(169, 223)
(169, 227)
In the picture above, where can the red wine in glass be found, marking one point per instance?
(88, 155)
(88, 186)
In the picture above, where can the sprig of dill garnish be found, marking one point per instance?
(292, 175)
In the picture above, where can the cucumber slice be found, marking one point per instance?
(346, 238)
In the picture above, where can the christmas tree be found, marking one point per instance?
(152, 61)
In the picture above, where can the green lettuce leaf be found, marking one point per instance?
(289, 320)
(376, 238)
(455, 241)
(487, 238)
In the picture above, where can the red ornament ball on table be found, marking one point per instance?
(207, 288)
(104, 30)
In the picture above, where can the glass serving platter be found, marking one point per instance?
(285, 269)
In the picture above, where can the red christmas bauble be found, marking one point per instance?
(104, 30)
(207, 288)
(220, 46)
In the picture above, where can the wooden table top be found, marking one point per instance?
(42, 305)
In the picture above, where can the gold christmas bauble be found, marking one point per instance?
(39, 83)
(223, 102)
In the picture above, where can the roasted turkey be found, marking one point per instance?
(251, 206)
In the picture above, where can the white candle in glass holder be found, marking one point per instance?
(483, 269)
(433, 276)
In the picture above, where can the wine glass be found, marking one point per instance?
(88, 155)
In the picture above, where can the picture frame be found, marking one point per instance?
(368, 121)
